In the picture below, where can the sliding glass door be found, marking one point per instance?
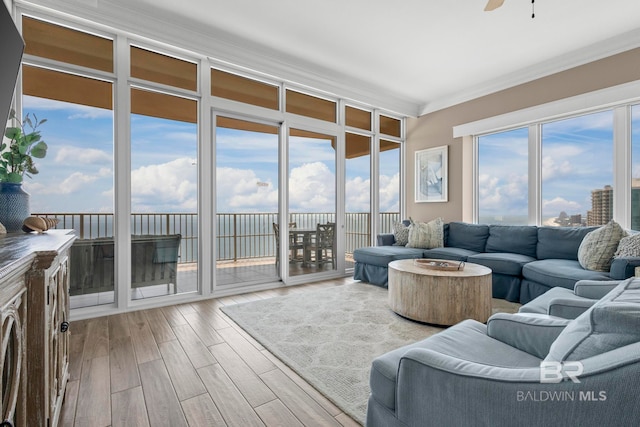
(246, 194)
(311, 224)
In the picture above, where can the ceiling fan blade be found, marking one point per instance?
(493, 4)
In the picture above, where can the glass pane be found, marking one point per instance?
(311, 106)
(312, 202)
(357, 194)
(163, 69)
(389, 182)
(635, 167)
(164, 200)
(66, 45)
(358, 118)
(247, 202)
(390, 126)
(577, 170)
(503, 182)
(75, 185)
(242, 89)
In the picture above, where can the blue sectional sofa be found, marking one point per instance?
(526, 261)
(518, 370)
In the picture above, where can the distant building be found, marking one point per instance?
(601, 206)
(575, 219)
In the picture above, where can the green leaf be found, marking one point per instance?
(39, 151)
(3, 146)
(23, 147)
(14, 177)
(12, 133)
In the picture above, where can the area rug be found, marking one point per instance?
(330, 336)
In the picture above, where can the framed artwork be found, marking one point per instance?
(431, 174)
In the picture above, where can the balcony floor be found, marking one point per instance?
(228, 273)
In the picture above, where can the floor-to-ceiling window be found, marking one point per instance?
(503, 179)
(389, 167)
(357, 221)
(137, 163)
(164, 176)
(70, 88)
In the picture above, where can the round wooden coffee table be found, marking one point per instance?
(440, 297)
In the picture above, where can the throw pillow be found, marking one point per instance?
(401, 234)
(629, 246)
(598, 247)
(426, 235)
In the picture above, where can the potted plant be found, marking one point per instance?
(16, 161)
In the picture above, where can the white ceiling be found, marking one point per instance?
(428, 53)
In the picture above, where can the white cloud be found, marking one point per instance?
(559, 204)
(83, 155)
(508, 195)
(312, 188)
(389, 193)
(357, 194)
(552, 169)
(75, 182)
(76, 111)
(169, 186)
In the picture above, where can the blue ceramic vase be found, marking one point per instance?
(14, 206)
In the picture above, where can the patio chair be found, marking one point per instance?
(322, 245)
(294, 245)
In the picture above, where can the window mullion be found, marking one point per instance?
(622, 165)
(535, 174)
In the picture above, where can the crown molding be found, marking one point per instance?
(594, 52)
(201, 40)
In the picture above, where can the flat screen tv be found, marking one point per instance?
(11, 48)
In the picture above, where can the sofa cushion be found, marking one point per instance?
(426, 235)
(519, 239)
(559, 272)
(598, 247)
(540, 305)
(467, 236)
(383, 255)
(503, 263)
(454, 254)
(560, 242)
(384, 369)
(612, 322)
(400, 234)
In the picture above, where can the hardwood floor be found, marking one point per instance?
(187, 365)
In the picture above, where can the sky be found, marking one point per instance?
(78, 172)
(577, 157)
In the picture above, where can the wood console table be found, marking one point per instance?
(34, 310)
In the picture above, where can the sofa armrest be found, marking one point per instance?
(529, 333)
(594, 289)
(386, 239)
(624, 267)
(569, 308)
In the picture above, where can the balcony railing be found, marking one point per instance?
(240, 235)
